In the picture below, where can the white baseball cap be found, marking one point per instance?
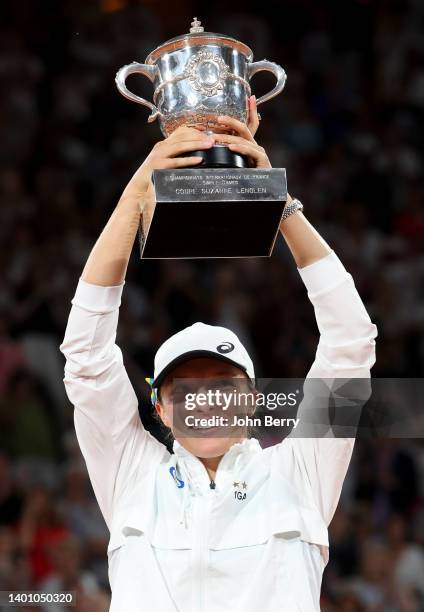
(200, 340)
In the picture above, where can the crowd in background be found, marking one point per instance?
(348, 128)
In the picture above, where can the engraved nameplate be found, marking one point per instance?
(208, 213)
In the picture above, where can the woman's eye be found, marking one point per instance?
(228, 388)
(181, 392)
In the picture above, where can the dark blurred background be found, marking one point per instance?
(348, 128)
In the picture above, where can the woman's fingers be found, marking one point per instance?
(198, 138)
(253, 118)
(184, 131)
(231, 139)
(239, 128)
(176, 148)
(255, 153)
(182, 140)
(250, 148)
(181, 162)
(167, 152)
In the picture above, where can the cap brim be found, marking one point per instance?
(193, 355)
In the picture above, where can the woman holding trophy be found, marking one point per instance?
(219, 523)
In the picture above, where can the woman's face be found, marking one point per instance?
(172, 408)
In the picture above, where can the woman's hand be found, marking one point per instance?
(242, 141)
(164, 155)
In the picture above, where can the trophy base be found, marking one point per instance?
(223, 212)
(219, 156)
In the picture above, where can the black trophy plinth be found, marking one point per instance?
(219, 156)
(214, 212)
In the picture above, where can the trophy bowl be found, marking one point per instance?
(197, 77)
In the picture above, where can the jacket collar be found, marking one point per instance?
(195, 471)
(196, 481)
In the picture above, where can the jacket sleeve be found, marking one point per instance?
(111, 436)
(346, 350)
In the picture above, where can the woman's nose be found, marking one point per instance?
(204, 403)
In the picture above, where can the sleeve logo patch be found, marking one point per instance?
(178, 481)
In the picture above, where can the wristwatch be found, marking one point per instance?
(291, 208)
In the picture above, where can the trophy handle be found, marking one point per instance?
(136, 68)
(276, 70)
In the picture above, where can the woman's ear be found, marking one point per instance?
(163, 415)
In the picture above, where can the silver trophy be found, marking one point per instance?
(197, 77)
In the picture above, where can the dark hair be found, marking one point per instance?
(165, 432)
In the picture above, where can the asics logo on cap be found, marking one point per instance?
(225, 347)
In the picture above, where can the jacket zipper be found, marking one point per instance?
(201, 556)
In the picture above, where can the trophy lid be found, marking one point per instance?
(197, 36)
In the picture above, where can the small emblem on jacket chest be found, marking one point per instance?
(240, 490)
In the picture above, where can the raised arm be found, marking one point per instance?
(108, 261)
(346, 347)
(346, 350)
(110, 433)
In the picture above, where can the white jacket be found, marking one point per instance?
(192, 548)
